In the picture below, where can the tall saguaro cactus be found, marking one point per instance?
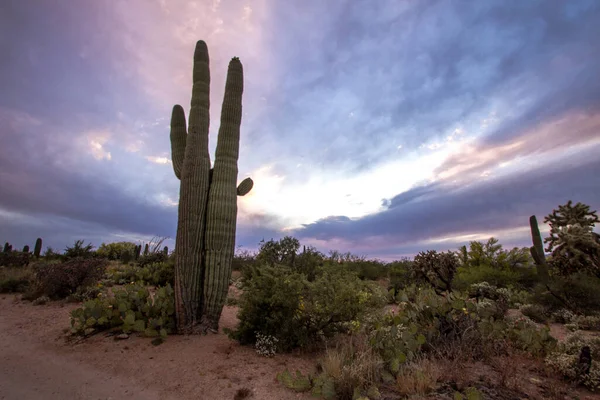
(537, 250)
(206, 223)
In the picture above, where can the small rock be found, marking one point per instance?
(535, 381)
(122, 336)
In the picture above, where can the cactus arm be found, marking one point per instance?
(178, 139)
(245, 187)
(222, 200)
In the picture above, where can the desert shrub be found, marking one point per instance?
(309, 262)
(418, 378)
(536, 312)
(14, 259)
(368, 269)
(132, 309)
(516, 297)
(587, 322)
(521, 278)
(399, 274)
(79, 250)
(15, 280)
(563, 316)
(282, 303)
(152, 258)
(565, 360)
(282, 252)
(122, 251)
(50, 254)
(579, 293)
(242, 259)
(349, 368)
(59, 280)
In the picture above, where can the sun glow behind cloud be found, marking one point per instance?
(329, 192)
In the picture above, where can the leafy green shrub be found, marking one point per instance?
(122, 251)
(400, 275)
(579, 293)
(131, 309)
(79, 250)
(367, 269)
(502, 278)
(15, 280)
(536, 312)
(282, 303)
(59, 280)
(242, 259)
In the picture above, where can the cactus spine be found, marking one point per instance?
(206, 223)
(38, 248)
(537, 250)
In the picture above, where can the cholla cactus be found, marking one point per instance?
(206, 224)
(435, 268)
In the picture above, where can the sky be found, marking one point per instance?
(380, 128)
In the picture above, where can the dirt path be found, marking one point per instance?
(29, 372)
(36, 363)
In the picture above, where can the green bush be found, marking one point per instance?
(59, 280)
(122, 251)
(521, 278)
(281, 303)
(131, 309)
(79, 250)
(400, 276)
(579, 293)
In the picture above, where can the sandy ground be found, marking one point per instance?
(36, 362)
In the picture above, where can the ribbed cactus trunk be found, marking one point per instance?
(537, 250)
(38, 248)
(207, 215)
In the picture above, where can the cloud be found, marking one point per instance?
(378, 127)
